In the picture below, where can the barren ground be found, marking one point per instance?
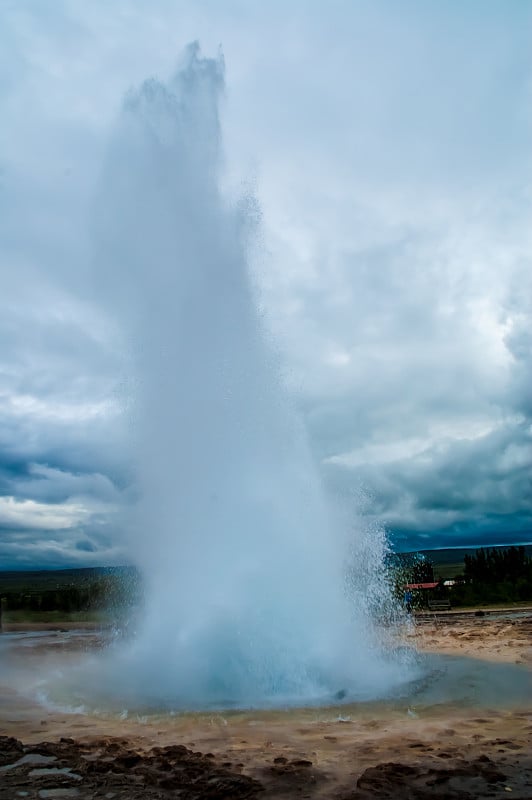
(446, 751)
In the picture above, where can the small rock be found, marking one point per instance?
(52, 794)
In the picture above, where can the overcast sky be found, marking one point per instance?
(389, 147)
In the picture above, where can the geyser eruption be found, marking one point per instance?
(244, 560)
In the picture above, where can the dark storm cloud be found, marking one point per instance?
(425, 402)
(26, 550)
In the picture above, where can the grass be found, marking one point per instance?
(506, 604)
(448, 571)
(25, 616)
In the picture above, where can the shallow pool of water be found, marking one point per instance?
(63, 672)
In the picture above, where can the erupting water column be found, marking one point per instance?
(244, 564)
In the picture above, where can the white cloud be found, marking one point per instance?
(390, 151)
(41, 516)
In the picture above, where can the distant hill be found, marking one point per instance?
(447, 563)
(452, 555)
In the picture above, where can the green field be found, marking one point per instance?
(69, 595)
(55, 579)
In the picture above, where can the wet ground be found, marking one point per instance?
(463, 731)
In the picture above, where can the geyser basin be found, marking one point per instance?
(66, 673)
(257, 591)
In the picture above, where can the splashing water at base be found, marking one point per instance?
(244, 560)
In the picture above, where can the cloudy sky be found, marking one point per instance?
(389, 147)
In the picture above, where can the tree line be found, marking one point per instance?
(493, 576)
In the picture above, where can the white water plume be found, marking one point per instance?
(243, 557)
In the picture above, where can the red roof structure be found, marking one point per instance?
(421, 585)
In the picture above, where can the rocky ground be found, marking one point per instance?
(110, 768)
(495, 636)
(444, 752)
